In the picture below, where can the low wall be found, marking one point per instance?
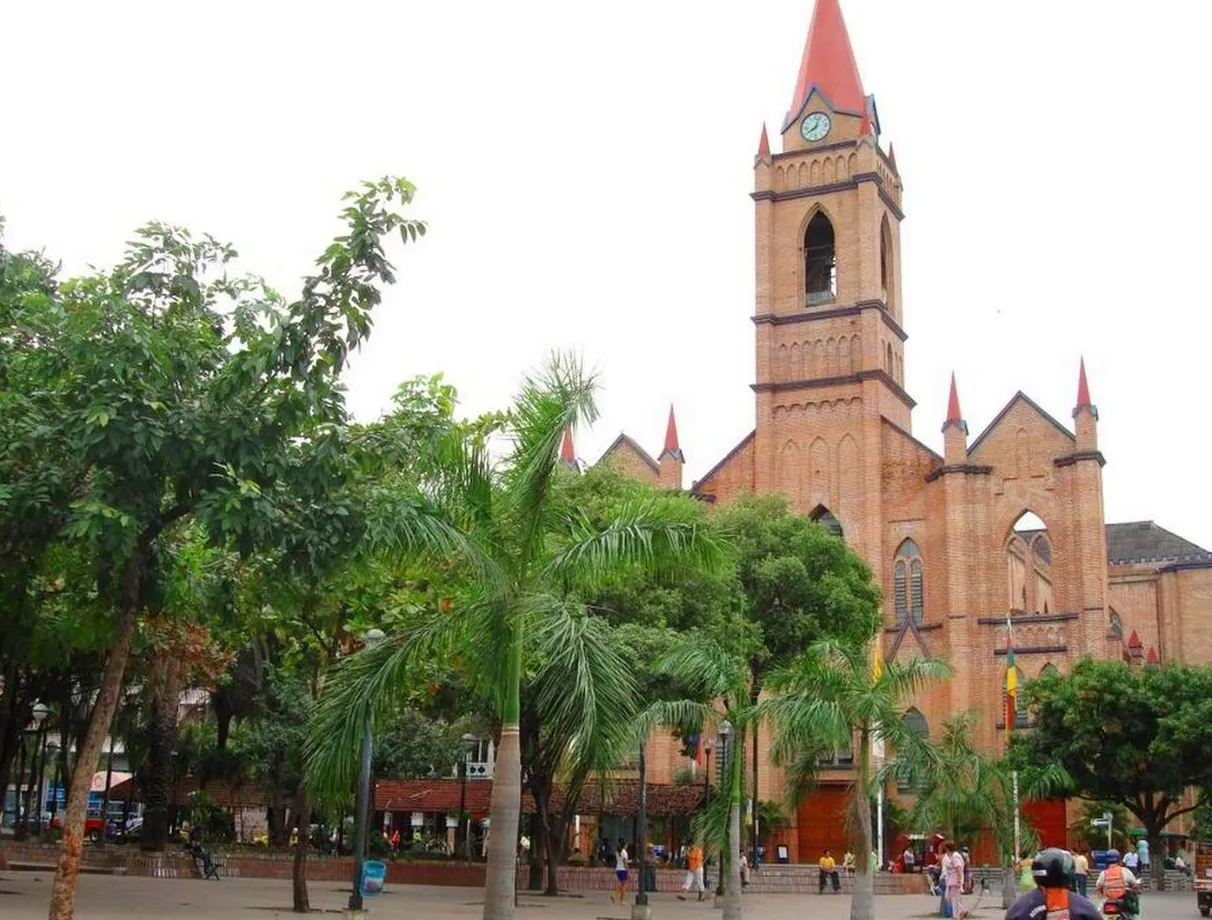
(126, 860)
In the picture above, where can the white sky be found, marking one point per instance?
(585, 170)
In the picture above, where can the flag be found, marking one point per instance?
(877, 665)
(1011, 688)
(877, 671)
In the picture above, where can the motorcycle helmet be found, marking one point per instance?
(1052, 868)
(1112, 856)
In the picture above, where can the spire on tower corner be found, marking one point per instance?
(953, 406)
(671, 437)
(567, 452)
(1083, 388)
(828, 65)
(892, 158)
(764, 144)
(1151, 656)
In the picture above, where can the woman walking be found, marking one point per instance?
(620, 872)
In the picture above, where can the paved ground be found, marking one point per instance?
(24, 896)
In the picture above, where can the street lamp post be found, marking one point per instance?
(41, 711)
(362, 801)
(706, 799)
(726, 853)
(641, 911)
(470, 741)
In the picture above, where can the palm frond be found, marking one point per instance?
(706, 670)
(556, 399)
(649, 533)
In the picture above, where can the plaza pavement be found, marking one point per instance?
(24, 896)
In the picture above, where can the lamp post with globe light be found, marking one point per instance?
(470, 743)
(41, 712)
(362, 803)
(725, 766)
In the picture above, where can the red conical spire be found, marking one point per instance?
(671, 435)
(1134, 640)
(828, 64)
(764, 143)
(892, 157)
(1083, 388)
(567, 453)
(1151, 657)
(953, 407)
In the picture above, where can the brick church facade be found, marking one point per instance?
(1007, 522)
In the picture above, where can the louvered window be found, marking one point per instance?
(908, 585)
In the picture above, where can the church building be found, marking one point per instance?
(1007, 524)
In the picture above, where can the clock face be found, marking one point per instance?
(815, 126)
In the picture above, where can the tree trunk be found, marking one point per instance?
(162, 731)
(557, 836)
(109, 779)
(538, 841)
(63, 890)
(503, 827)
(298, 869)
(13, 719)
(1157, 858)
(862, 904)
(277, 825)
(732, 893)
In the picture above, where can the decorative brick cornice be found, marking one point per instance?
(784, 319)
(973, 469)
(1032, 650)
(1181, 566)
(824, 148)
(783, 386)
(1071, 459)
(768, 194)
(1025, 619)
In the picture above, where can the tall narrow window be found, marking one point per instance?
(887, 277)
(820, 261)
(915, 722)
(828, 520)
(908, 585)
(1115, 626)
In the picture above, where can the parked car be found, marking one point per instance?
(94, 826)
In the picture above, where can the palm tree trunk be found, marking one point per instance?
(862, 904)
(732, 893)
(63, 891)
(503, 827)
(500, 883)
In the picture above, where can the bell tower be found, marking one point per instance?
(829, 333)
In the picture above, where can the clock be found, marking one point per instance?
(815, 126)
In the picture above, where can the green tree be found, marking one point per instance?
(529, 560)
(185, 392)
(800, 585)
(1135, 737)
(830, 699)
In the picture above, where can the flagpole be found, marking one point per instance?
(1018, 851)
(879, 827)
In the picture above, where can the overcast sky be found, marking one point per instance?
(585, 171)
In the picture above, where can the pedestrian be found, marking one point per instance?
(694, 872)
(952, 868)
(1142, 854)
(828, 871)
(1081, 871)
(848, 863)
(908, 859)
(620, 872)
(744, 869)
(1132, 861)
(1026, 881)
(967, 889)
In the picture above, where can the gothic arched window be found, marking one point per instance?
(916, 723)
(820, 261)
(1049, 670)
(886, 274)
(907, 585)
(1115, 627)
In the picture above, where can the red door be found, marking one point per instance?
(1047, 816)
(821, 822)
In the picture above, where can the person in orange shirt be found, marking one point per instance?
(694, 872)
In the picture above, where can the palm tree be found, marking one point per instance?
(831, 699)
(962, 791)
(717, 683)
(528, 561)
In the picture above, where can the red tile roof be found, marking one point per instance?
(224, 794)
(828, 64)
(622, 797)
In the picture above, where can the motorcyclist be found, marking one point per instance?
(1052, 870)
(1117, 883)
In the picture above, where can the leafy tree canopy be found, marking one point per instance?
(1130, 736)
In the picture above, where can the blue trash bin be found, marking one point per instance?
(374, 874)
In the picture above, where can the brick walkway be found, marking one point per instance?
(24, 896)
